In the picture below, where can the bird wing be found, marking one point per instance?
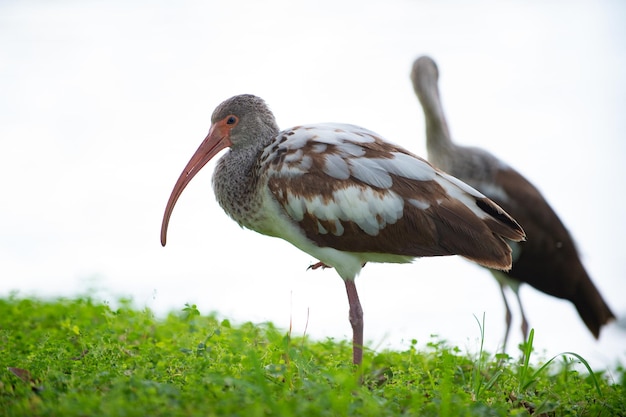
(549, 260)
(349, 189)
(549, 244)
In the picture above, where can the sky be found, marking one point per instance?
(103, 103)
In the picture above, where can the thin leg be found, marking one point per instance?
(356, 320)
(521, 309)
(507, 317)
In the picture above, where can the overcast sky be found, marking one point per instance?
(103, 103)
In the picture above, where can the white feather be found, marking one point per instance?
(422, 205)
(370, 210)
(462, 192)
(409, 167)
(336, 167)
(293, 156)
(320, 147)
(370, 172)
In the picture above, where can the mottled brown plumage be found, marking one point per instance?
(344, 195)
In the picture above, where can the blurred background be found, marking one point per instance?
(103, 103)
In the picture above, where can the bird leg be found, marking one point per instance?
(507, 318)
(509, 315)
(356, 320)
(524, 321)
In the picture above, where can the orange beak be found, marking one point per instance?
(217, 139)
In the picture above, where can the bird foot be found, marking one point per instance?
(318, 265)
(324, 266)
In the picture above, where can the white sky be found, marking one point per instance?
(103, 103)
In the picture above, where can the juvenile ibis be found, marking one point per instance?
(548, 259)
(344, 195)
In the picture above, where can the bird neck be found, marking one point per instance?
(438, 139)
(236, 181)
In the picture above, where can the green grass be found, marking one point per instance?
(83, 358)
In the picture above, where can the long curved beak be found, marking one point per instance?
(215, 141)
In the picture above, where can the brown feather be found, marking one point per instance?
(447, 227)
(548, 260)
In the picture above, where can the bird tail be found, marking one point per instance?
(590, 305)
(485, 233)
(503, 227)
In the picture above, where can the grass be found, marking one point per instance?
(80, 357)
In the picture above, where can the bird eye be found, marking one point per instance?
(231, 120)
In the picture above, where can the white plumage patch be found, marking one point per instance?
(409, 167)
(336, 167)
(351, 149)
(460, 191)
(377, 171)
(422, 205)
(320, 147)
(369, 209)
(293, 156)
(334, 133)
(371, 172)
(295, 169)
(459, 184)
(343, 148)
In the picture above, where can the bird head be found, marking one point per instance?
(424, 75)
(236, 123)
